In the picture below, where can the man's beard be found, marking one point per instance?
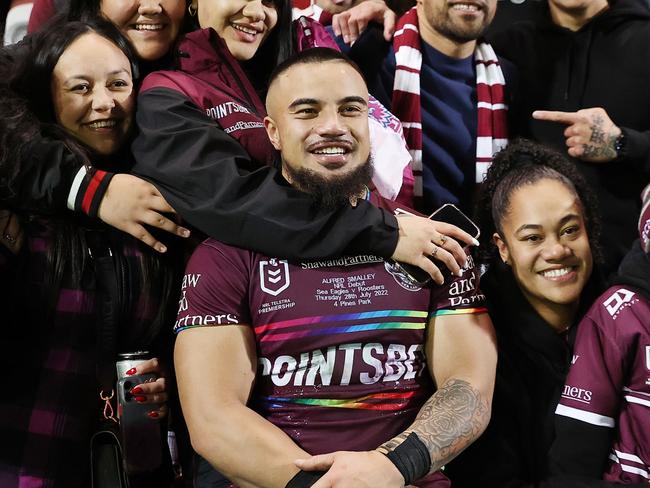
(331, 193)
(458, 33)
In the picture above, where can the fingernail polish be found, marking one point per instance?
(136, 390)
(140, 399)
(153, 415)
(185, 233)
(162, 249)
(475, 242)
(130, 372)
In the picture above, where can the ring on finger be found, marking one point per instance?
(443, 239)
(435, 251)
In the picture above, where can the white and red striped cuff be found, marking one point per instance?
(87, 191)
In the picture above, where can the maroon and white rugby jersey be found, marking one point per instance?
(340, 342)
(609, 381)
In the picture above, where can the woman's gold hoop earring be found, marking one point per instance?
(192, 10)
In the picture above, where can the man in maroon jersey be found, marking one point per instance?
(278, 361)
(603, 419)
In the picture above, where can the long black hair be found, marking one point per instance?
(525, 162)
(28, 123)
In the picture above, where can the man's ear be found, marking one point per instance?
(272, 132)
(502, 247)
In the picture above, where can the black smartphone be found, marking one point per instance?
(450, 214)
(141, 436)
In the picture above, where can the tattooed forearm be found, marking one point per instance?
(448, 422)
(601, 145)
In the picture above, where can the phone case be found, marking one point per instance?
(450, 214)
(141, 436)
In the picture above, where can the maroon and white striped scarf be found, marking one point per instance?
(491, 132)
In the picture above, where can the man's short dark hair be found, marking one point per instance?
(314, 55)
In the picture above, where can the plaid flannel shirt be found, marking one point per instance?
(49, 406)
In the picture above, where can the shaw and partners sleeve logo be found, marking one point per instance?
(188, 316)
(615, 303)
(189, 281)
(577, 394)
(274, 276)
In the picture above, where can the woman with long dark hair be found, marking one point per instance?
(77, 292)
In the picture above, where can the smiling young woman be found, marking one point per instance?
(539, 230)
(543, 238)
(201, 128)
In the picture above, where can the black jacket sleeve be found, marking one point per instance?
(637, 150)
(199, 170)
(580, 448)
(50, 178)
(41, 180)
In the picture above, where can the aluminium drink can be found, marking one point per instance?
(127, 360)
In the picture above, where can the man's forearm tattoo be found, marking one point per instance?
(601, 144)
(448, 422)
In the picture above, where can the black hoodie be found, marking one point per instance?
(604, 64)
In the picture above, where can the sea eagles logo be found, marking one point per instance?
(274, 276)
(401, 277)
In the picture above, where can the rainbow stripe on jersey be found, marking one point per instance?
(326, 324)
(461, 311)
(376, 401)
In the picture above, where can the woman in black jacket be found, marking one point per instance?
(539, 228)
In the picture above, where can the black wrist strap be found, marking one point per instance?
(411, 458)
(304, 479)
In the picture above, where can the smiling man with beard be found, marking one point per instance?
(277, 361)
